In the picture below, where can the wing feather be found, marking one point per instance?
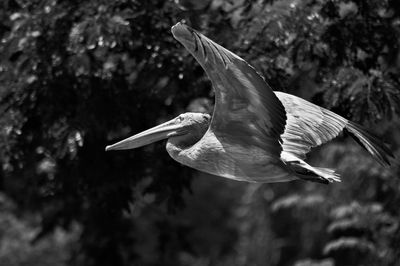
(307, 125)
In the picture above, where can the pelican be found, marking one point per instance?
(255, 134)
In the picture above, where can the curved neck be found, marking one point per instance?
(179, 147)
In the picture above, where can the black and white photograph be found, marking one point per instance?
(199, 133)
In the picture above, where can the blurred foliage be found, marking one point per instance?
(363, 232)
(16, 233)
(78, 75)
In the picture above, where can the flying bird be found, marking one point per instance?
(255, 134)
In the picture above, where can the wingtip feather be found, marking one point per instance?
(371, 143)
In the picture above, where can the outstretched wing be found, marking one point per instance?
(309, 125)
(247, 112)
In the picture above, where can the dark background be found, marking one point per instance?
(76, 76)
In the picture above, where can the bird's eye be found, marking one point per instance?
(180, 118)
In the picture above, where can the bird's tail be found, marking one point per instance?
(317, 174)
(371, 143)
(310, 173)
(327, 173)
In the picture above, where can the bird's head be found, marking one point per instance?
(187, 127)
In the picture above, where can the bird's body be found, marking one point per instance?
(255, 134)
(218, 156)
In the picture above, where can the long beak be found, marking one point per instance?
(163, 131)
